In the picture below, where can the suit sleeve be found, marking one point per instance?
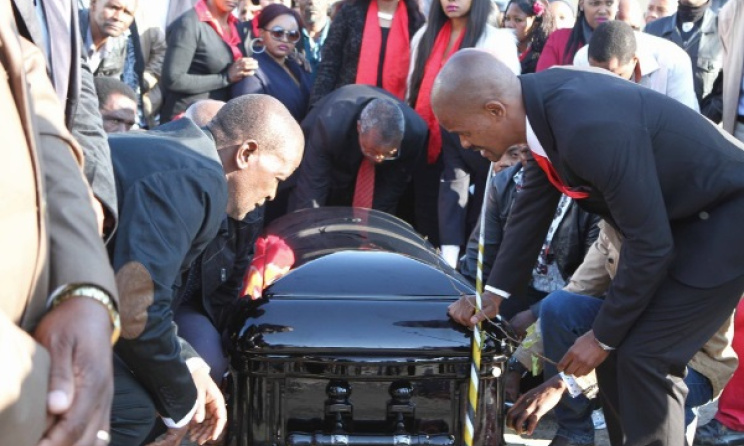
(182, 42)
(313, 182)
(72, 226)
(163, 217)
(87, 128)
(530, 218)
(620, 165)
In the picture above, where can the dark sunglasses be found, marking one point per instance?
(280, 34)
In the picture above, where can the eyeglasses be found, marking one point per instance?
(280, 34)
(389, 155)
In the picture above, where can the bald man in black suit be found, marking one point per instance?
(665, 177)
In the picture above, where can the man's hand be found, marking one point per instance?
(533, 405)
(583, 357)
(211, 416)
(463, 311)
(77, 334)
(522, 321)
(172, 437)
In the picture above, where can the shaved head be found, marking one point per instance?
(201, 112)
(260, 144)
(478, 98)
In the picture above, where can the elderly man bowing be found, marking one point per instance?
(634, 158)
(174, 185)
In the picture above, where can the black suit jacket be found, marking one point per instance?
(665, 177)
(172, 200)
(327, 175)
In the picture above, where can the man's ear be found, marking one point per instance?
(496, 108)
(244, 152)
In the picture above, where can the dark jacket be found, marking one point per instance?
(172, 197)
(195, 65)
(706, 53)
(576, 233)
(222, 266)
(327, 174)
(273, 80)
(340, 53)
(679, 212)
(73, 82)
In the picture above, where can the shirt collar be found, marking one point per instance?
(202, 12)
(532, 140)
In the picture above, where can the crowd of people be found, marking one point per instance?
(595, 152)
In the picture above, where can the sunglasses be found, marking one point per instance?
(282, 35)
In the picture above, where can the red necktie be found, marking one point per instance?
(365, 185)
(552, 175)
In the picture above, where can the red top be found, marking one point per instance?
(555, 47)
(233, 39)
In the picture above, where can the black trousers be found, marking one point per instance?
(133, 414)
(641, 383)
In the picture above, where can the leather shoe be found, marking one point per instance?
(716, 434)
(560, 440)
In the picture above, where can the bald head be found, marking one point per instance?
(260, 144)
(201, 112)
(470, 77)
(479, 98)
(254, 116)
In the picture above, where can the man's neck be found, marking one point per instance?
(317, 29)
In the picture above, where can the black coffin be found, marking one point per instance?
(354, 346)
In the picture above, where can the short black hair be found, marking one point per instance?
(105, 86)
(613, 39)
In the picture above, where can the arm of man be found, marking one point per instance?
(77, 333)
(163, 218)
(87, 128)
(311, 190)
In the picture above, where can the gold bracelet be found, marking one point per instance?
(100, 296)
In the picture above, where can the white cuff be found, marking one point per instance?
(193, 364)
(196, 363)
(171, 424)
(450, 254)
(497, 291)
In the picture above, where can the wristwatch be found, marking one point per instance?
(97, 294)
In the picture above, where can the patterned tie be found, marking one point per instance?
(365, 185)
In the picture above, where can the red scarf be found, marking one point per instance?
(397, 51)
(233, 40)
(423, 102)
